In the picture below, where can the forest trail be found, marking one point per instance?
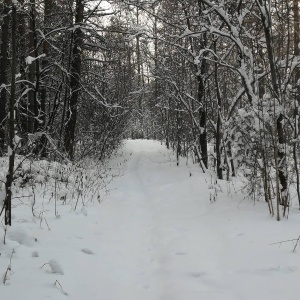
(162, 229)
(156, 236)
(169, 242)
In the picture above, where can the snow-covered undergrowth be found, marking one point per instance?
(45, 193)
(163, 233)
(69, 183)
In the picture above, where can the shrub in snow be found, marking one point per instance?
(84, 211)
(35, 254)
(20, 236)
(66, 181)
(55, 267)
(2, 196)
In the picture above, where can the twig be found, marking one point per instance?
(5, 232)
(62, 290)
(286, 241)
(47, 223)
(8, 272)
(44, 265)
(296, 244)
(33, 202)
(18, 197)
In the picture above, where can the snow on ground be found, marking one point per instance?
(157, 236)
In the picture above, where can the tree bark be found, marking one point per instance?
(297, 96)
(218, 127)
(202, 118)
(43, 90)
(11, 122)
(75, 81)
(281, 156)
(32, 105)
(3, 73)
(22, 107)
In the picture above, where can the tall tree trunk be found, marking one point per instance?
(178, 133)
(202, 121)
(281, 156)
(11, 123)
(218, 129)
(3, 73)
(200, 86)
(32, 105)
(140, 76)
(43, 90)
(66, 91)
(22, 107)
(297, 99)
(75, 81)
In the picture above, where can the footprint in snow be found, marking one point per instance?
(197, 274)
(237, 234)
(87, 251)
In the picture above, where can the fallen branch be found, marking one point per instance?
(286, 241)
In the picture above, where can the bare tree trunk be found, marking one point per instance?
(75, 81)
(66, 92)
(140, 76)
(281, 156)
(32, 105)
(202, 122)
(22, 107)
(218, 129)
(11, 122)
(178, 133)
(297, 100)
(45, 63)
(3, 73)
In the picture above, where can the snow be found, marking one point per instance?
(156, 236)
(9, 151)
(29, 59)
(2, 196)
(55, 267)
(17, 140)
(186, 32)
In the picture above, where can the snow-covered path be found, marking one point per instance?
(157, 236)
(155, 245)
(162, 239)
(164, 228)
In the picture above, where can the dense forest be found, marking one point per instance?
(216, 81)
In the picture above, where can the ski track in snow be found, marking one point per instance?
(156, 237)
